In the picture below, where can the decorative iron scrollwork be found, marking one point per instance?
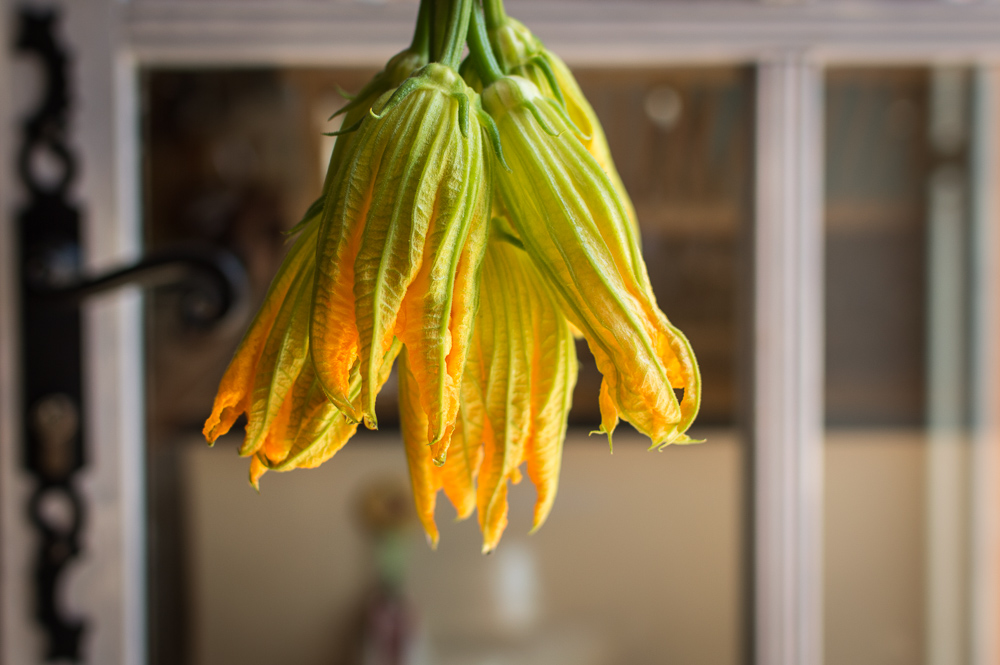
(49, 236)
(211, 281)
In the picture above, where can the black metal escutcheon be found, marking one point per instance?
(49, 236)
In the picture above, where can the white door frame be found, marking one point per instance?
(789, 44)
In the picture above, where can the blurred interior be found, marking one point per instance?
(645, 557)
(899, 370)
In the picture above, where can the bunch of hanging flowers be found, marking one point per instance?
(471, 224)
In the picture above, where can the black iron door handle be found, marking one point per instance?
(211, 280)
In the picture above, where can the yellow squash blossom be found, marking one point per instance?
(575, 227)
(400, 247)
(234, 397)
(246, 387)
(522, 371)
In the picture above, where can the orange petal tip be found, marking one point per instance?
(257, 469)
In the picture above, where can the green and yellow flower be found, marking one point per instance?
(400, 248)
(587, 251)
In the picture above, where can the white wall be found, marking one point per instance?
(640, 561)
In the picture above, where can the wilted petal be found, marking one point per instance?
(457, 475)
(524, 361)
(282, 359)
(555, 373)
(425, 476)
(440, 309)
(257, 469)
(333, 332)
(465, 455)
(315, 432)
(310, 429)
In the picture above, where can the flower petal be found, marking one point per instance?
(233, 397)
(465, 455)
(555, 374)
(525, 361)
(424, 475)
(310, 429)
(334, 333)
(440, 306)
(283, 357)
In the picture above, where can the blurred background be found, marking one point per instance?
(647, 558)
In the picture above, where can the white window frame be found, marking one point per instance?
(789, 45)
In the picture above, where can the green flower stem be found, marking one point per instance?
(482, 53)
(451, 22)
(439, 26)
(422, 33)
(495, 14)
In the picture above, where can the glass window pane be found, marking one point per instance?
(642, 558)
(898, 289)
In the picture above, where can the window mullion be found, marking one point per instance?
(788, 255)
(985, 531)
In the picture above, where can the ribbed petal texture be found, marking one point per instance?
(524, 367)
(400, 248)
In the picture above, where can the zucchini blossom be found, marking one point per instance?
(576, 229)
(400, 247)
